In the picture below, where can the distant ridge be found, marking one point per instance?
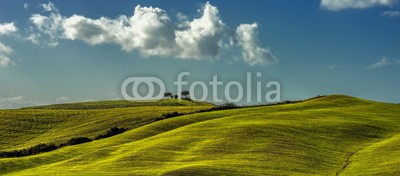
(119, 104)
(109, 104)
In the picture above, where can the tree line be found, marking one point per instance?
(185, 95)
(41, 148)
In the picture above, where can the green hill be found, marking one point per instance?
(120, 104)
(27, 127)
(333, 135)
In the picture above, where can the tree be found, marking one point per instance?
(78, 140)
(111, 132)
(168, 95)
(185, 95)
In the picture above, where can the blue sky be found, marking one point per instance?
(67, 51)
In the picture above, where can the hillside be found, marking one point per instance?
(120, 104)
(58, 123)
(333, 135)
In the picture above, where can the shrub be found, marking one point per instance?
(169, 115)
(227, 106)
(172, 114)
(40, 148)
(78, 140)
(111, 132)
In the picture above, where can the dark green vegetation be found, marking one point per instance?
(41, 148)
(112, 132)
(323, 136)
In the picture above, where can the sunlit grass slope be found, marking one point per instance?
(120, 104)
(23, 128)
(324, 136)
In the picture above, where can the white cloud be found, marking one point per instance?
(34, 38)
(151, 32)
(15, 102)
(90, 31)
(182, 20)
(64, 99)
(4, 49)
(26, 6)
(383, 62)
(336, 5)
(391, 13)
(7, 28)
(252, 53)
(49, 26)
(398, 61)
(49, 7)
(5, 61)
(202, 36)
(331, 67)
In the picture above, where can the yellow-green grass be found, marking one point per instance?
(381, 158)
(24, 128)
(121, 104)
(324, 136)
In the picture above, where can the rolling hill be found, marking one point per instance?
(332, 135)
(57, 123)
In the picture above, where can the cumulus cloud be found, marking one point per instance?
(49, 25)
(252, 53)
(5, 51)
(201, 37)
(391, 13)
(15, 102)
(7, 28)
(149, 30)
(336, 5)
(5, 61)
(152, 32)
(90, 31)
(383, 62)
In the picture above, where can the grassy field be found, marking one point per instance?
(59, 123)
(333, 135)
